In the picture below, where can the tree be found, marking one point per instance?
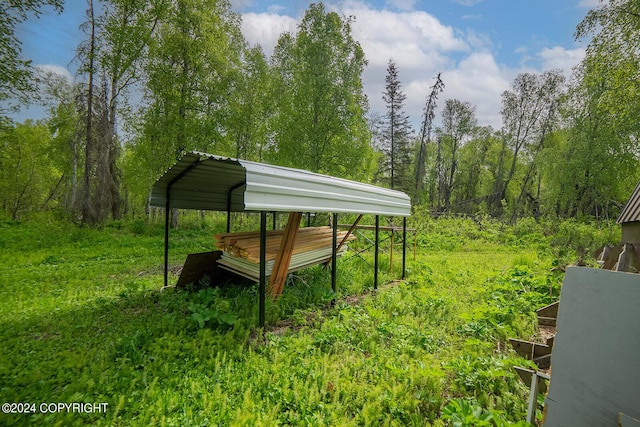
(192, 64)
(396, 131)
(15, 72)
(602, 111)
(320, 121)
(458, 123)
(26, 174)
(476, 166)
(193, 59)
(528, 110)
(126, 29)
(251, 107)
(425, 136)
(66, 129)
(593, 165)
(88, 49)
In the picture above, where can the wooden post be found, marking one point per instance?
(283, 259)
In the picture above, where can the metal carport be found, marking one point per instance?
(209, 182)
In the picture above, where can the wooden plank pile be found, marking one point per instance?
(540, 352)
(241, 251)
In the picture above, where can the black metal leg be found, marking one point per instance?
(404, 246)
(334, 253)
(263, 268)
(166, 239)
(375, 255)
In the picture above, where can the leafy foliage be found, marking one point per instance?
(26, 175)
(320, 124)
(15, 71)
(84, 319)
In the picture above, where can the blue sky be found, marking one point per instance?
(478, 45)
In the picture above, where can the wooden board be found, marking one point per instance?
(546, 321)
(248, 244)
(526, 375)
(283, 258)
(200, 265)
(550, 310)
(529, 350)
(251, 270)
(286, 250)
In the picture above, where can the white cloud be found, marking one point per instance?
(241, 4)
(589, 4)
(561, 58)
(412, 38)
(422, 46)
(479, 80)
(55, 69)
(419, 44)
(266, 28)
(275, 8)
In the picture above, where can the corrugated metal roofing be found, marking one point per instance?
(203, 181)
(631, 211)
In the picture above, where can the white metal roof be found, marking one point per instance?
(203, 181)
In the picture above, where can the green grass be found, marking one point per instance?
(84, 319)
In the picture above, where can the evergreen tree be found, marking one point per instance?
(396, 132)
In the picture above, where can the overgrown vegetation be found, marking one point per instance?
(565, 147)
(84, 319)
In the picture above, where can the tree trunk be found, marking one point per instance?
(88, 213)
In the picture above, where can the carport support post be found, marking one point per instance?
(375, 255)
(166, 237)
(334, 251)
(263, 267)
(404, 245)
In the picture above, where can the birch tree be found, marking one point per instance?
(528, 110)
(458, 124)
(320, 120)
(16, 73)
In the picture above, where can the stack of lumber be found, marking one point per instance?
(540, 352)
(241, 251)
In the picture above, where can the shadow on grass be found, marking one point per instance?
(113, 349)
(100, 350)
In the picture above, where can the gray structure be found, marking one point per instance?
(596, 355)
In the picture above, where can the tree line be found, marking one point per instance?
(158, 78)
